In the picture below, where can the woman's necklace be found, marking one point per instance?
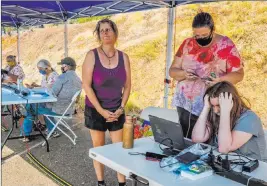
(109, 58)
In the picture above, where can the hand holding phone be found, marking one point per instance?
(189, 75)
(212, 74)
(212, 79)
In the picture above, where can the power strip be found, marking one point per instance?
(238, 177)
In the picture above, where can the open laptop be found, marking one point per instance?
(163, 129)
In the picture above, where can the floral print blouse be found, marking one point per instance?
(220, 58)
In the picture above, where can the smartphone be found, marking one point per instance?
(212, 74)
(206, 79)
(187, 158)
(154, 157)
(194, 74)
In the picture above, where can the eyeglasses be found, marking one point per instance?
(202, 36)
(102, 31)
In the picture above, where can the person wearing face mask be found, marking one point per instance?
(12, 71)
(201, 61)
(228, 123)
(67, 84)
(64, 88)
(106, 77)
(49, 75)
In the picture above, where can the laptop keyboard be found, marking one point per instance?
(189, 143)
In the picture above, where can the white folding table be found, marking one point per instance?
(118, 159)
(9, 97)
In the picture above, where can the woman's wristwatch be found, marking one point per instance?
(121, 108)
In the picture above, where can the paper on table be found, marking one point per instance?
(36, 95)
(7, 90)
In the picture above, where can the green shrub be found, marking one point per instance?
(88, 19)
(81, 102)
(51, 46)
(133, 105)
(148, 50)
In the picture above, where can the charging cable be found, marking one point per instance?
(189, 122)
(191, 109)
(161, 143)
(249, 180)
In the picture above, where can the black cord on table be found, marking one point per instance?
(161, 143)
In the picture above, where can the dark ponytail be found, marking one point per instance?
(203, 19)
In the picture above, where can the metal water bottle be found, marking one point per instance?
(128, 133)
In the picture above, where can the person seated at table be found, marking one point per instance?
(49, 75)
(10, 74)
(227, 122)
(64, 88)
(13, 71)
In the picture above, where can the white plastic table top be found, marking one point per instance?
(118, 159)
(10, 98)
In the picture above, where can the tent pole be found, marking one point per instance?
(169, 54)
(18, 44)
(66, 38)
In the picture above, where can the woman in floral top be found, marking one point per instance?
(202, 61)
(13, 71)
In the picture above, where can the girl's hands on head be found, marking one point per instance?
(226, 102)
(207, 104)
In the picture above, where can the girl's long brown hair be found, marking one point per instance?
(239, 106)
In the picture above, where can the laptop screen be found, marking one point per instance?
(163, 129)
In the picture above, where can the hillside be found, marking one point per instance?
(143, 36)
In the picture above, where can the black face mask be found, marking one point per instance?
(204, 41)
(62, 70)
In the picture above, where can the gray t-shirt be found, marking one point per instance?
(256, 147)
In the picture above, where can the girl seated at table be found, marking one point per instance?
(227, 122)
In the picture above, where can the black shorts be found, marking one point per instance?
(95, 121)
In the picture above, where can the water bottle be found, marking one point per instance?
(19, 84)
(128, 133)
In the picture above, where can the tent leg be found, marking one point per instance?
(169, 54)
(18, 44)
(66, 38)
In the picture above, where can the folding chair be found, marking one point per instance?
(60, 120)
